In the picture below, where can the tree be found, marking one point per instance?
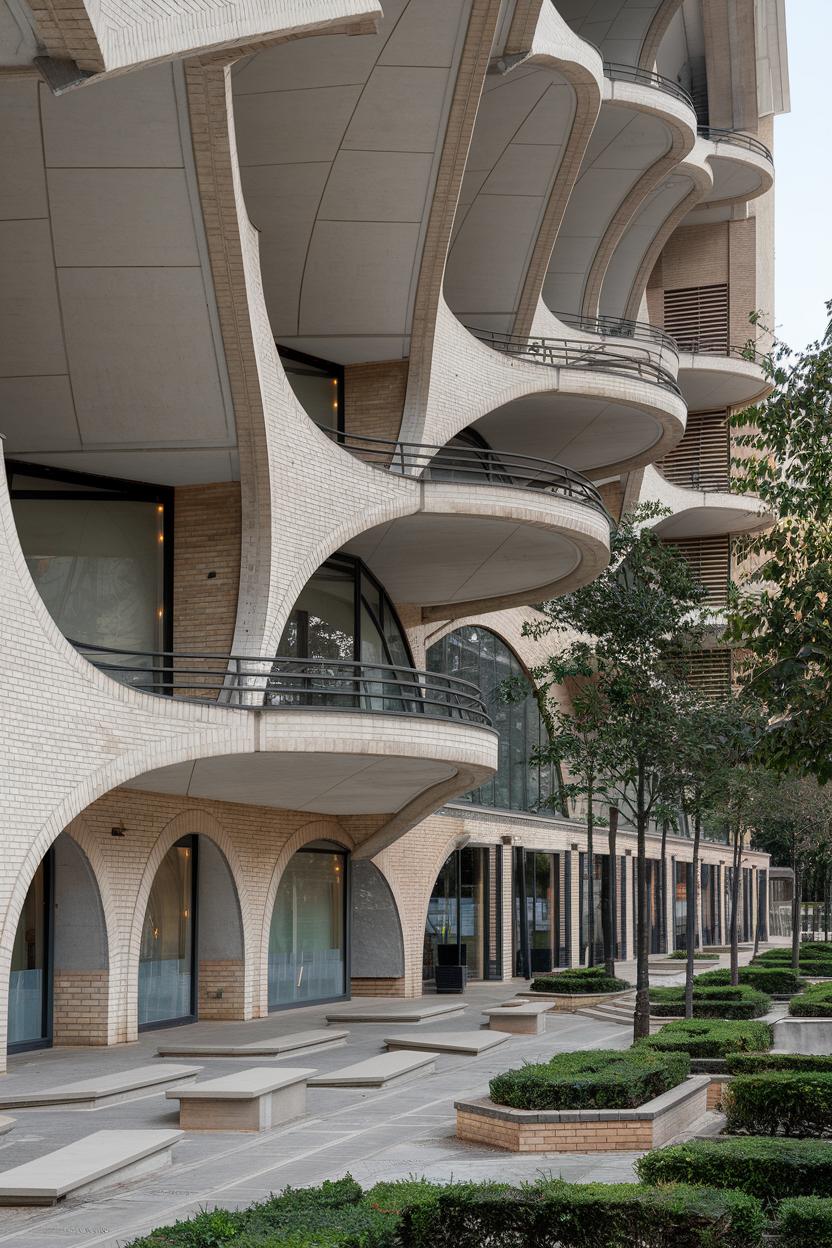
(643, 614)
(782, 617)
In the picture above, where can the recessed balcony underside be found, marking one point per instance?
(716, 382)
(482, 547)
(703, 513)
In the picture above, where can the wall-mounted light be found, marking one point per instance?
(119, 830)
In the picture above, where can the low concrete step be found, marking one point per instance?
(277, 1046)
(97, 1160)
(125, 1085)
(378, 1072)
(469, 1043)
(405, 1012)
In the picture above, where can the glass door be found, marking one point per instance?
(30, 979)
(167, 962)
(307, 937)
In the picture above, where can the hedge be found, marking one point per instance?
(780, 1103)
(418, 1214)
(591, 979)
(768, 1169)
(711, 1002)
(704, 1037)
(755, 1063)
(554, 1214)
(817, 963)
(681, 955)
(598, 1079)
(769, 979)
(814, 1002)
(805, 1222)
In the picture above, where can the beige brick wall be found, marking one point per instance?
(374, 398)
(79, 1007)
(227, 977)
(377, 987)
(206, 567)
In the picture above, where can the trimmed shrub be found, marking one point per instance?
(554, 1214)
(703, 1037)
(681, 955)
(591, 979)
(711, 1001)
(814, 1002)
(797, 1103)
(769, 979)
(813, 961)
(805, 1222)
(755, 1063)
(598, 1079)
(767, 1169)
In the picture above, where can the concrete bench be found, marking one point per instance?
(469, 1043)
(378, 1072)
(521, 1018)
(94, 1162)
(277, 1046)
(124, 1085)
(250, 1100)
(406, 1012)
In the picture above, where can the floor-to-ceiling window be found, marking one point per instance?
(478, 655)
(31, 970)
(167, 962)
(308, 933)
(680, 904)
(460, 912)
(100, 552)
(601, 883)
(539, 925)
(710, 904)
(318, 385)
(655, 903)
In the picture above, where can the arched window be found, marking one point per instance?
(476, 654)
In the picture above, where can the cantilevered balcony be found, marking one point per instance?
(637, 362)
(742, 167)
(492, 529)
(714, 376)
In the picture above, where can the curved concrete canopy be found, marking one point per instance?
(338, 141)
(111, 359)
(627, 143)
(739, 174)
(618, 27)
(702, 513)
(485, 545)
(523, 126)
(715, 382)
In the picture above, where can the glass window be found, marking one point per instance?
(307, 954)
(458, 911)
(478, 655)
(166, 962)
(30, 970)
(97, 557)
(318, 387)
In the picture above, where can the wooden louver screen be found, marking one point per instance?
(702, 460)
(697, 317)
(709, 671)
(710, 560)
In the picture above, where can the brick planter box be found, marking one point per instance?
(584, 1130)
(568, 1003)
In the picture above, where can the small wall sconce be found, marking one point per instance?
(120, 830)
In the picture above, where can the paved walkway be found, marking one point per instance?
(406, 1130)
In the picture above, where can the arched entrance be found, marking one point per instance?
(308, 944)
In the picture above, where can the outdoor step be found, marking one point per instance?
(95, 1161)
(378, 1071)
(124, 1085)
(469, 1043)
(276, 1046)
(407, 1012)
(256, 1099)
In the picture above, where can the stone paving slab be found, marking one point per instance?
(418, 1011)
(277, 1046)
(461, 1042)
(378, 1072)
(103, 1156)
(100, 1089)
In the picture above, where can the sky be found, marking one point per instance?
(803, 171)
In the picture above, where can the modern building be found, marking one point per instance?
(335, 335)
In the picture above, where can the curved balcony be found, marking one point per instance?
(492, 529)
(317, 735)
(638, 365)
(742, 168)
(714, 376)
(620, 327)
(617, 72)
(716, 134)
(701, 511)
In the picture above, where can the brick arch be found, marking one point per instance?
(316, 830)
(193, 822)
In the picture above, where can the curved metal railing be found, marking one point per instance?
(620, 327)
(715, 134)
(573, 353)
(647, 78)
(472, 465)
(705, 346)
(284, 684)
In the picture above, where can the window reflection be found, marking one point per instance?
(166, 960)
(28, 979)
(307, 958)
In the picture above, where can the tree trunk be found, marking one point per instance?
(796, 907)
(691, 917)
(663, 944)
(826, 901)
(609, 927)
(735, 901)
(590, 870)
(641, 1019)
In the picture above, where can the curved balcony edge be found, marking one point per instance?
(581, 354)
(698, 512)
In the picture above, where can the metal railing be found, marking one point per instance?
(620, 327)
(716, 134)
(704, 346)
(647, 78)
(472, 465)
(573, 353)
(285, 684)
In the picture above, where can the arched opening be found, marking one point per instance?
(308, 946)
(59, 978)
(376, 940)
(191, 959)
